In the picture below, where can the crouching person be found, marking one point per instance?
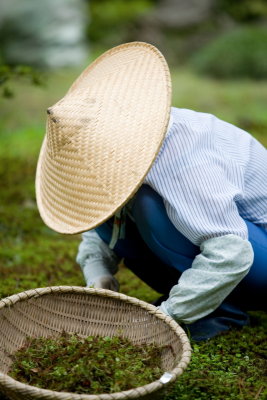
(179, 195)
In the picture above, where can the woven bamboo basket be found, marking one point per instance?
(48, 311)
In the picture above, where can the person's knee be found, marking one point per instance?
(147, 209)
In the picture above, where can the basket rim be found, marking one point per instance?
(10, 383)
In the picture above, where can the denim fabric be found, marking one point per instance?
(156, 252)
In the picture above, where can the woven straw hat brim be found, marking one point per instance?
(103, 137)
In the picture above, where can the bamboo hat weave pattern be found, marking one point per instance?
(102, 137)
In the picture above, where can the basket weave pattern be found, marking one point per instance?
(102, 137)
(48, 311)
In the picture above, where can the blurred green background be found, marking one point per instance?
(217, 52)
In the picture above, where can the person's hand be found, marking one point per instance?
(105, 282)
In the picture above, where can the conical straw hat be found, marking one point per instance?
(102, 137)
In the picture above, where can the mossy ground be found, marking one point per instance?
(232, 366)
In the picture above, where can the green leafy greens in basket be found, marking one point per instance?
(91, 365)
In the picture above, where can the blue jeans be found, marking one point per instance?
(158, 253)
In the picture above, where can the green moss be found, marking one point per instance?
(230, 366)
(31, 255)
(91, 365)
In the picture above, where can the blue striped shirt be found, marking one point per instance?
(210, 175)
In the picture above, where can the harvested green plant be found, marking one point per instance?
(90, 365)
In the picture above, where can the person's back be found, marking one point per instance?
(206, 170)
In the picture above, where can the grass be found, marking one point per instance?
(232, 366)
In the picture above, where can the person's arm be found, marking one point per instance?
(216, 271)
(201, 188)
(98, 262)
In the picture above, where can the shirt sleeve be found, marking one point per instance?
(93, 249)
(223, 262)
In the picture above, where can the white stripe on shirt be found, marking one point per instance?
(210, 175)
